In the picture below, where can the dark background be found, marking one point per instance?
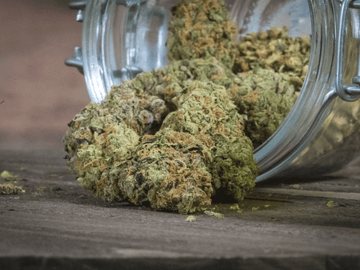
(39, 94)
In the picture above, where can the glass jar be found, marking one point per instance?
(320, 135)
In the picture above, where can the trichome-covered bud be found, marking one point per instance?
(139, 110)
(101, 134)
(201, 29)
(264, 97)
(94, 161)
(207, 110)
(181, 73)
(273, 49)
(171, 82)
(168, 171)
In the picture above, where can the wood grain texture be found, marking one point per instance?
(56, 223)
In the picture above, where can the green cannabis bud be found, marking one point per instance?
(167, 171)
(101, 134)
(170, 82)
(94, 160)
(179, 168)
(201, 29)
(264, 97)
(273, 49)
(207, 110)
(181, 73)
(199, 149)
(124, 104)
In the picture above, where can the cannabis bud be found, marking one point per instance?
(207, 111)
(201, 29)
(103, 134)
(168, 171)
(180, 167)
(273, 49)
(181, 73)
(264, 97)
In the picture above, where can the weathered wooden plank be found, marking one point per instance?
(58, 224)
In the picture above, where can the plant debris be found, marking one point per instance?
(214, 214)
(190, 218)
(8, 176)
(10, 189)
(331, 204)
(235, 207)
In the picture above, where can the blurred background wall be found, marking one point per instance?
(39, 95)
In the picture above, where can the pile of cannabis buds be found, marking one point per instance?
(174, 137)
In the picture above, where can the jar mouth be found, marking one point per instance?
(139, 47)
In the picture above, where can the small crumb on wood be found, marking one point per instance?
(214, 214)
(235, 207)
(8, 176)
(331, 204)
(190, 218)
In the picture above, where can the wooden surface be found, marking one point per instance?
(58, 225)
